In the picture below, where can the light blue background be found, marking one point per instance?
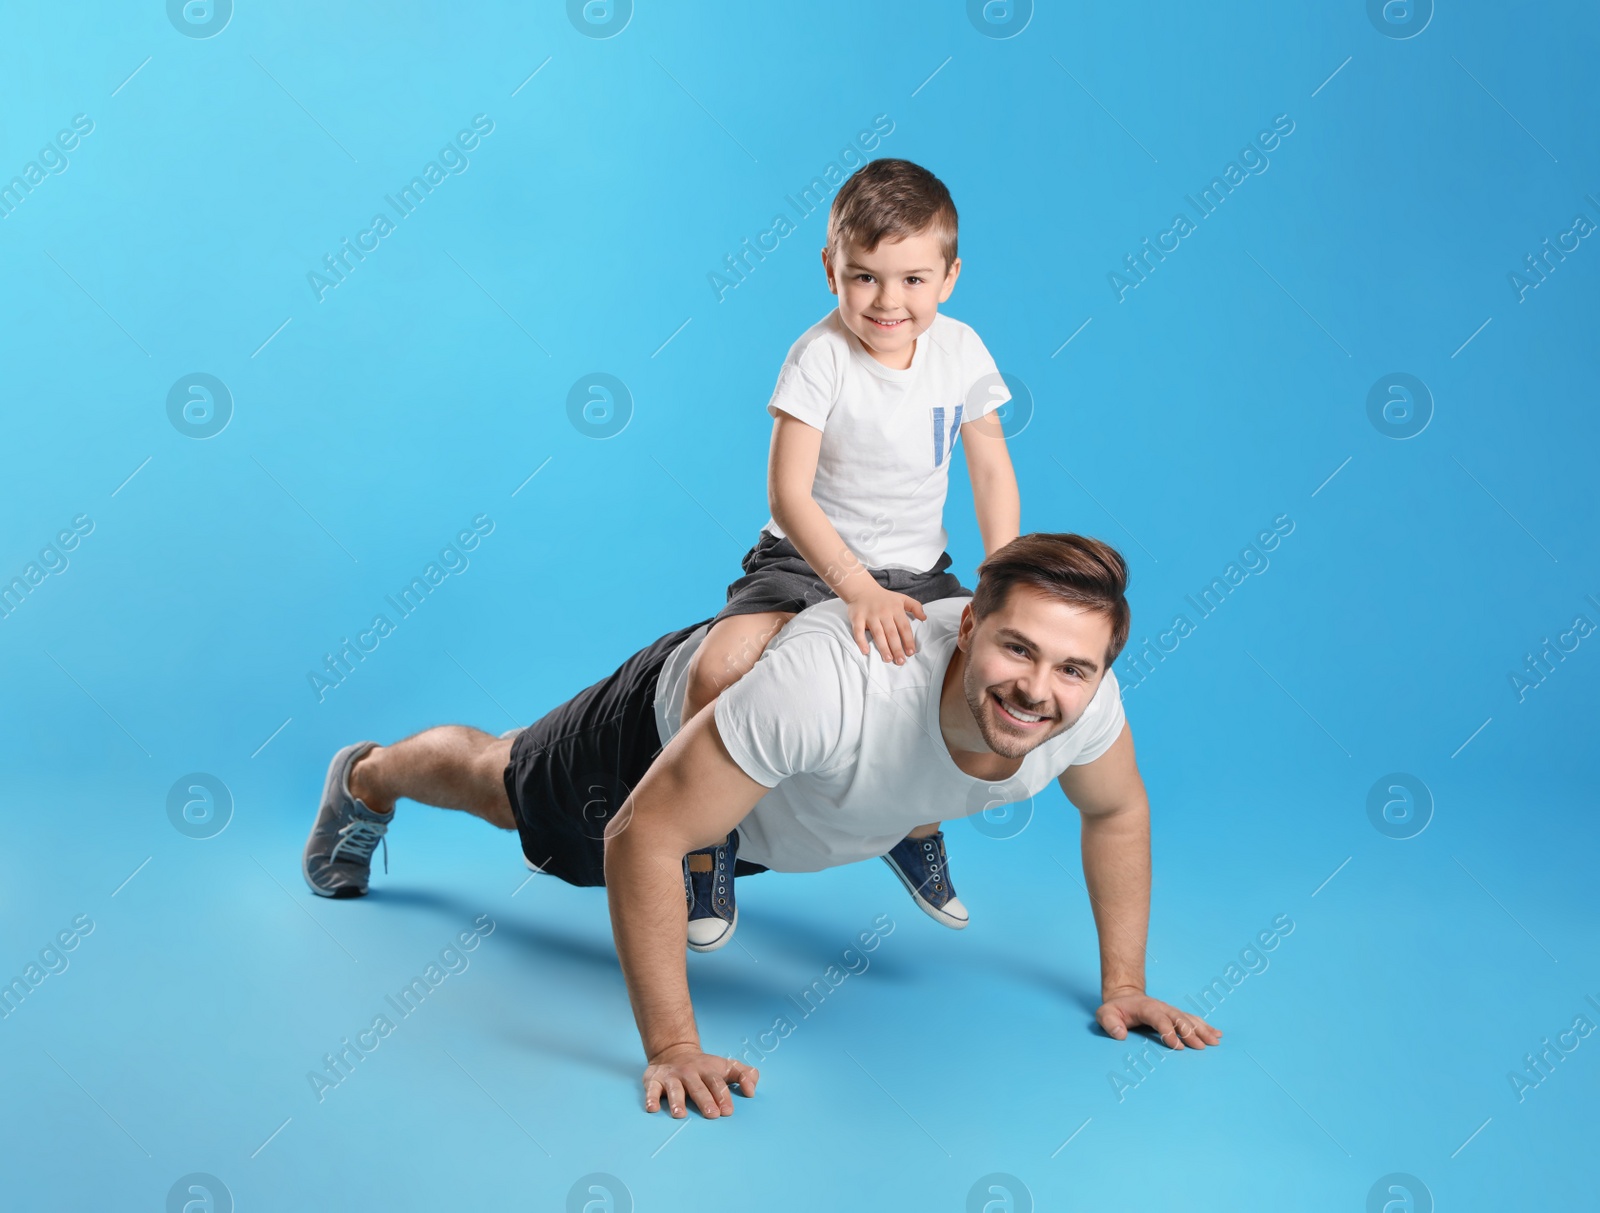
(372, 426)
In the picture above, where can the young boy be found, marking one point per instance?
(867, 411)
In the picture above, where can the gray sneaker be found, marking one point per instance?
(338, 858)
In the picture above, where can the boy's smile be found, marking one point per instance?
(890, 296)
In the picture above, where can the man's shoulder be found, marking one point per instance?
(827, 623)
(824, 623)
(946, 612)
(1093, 732)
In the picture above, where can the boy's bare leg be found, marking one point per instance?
(730, 648)
(451, 767)
(924, 831)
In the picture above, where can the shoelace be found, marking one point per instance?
(360, 837)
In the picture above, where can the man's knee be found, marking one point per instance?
(491, 766)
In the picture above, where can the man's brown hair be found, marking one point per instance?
(891, 200)
(1071, 568)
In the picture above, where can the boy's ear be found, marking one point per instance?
(827, 268)
(950, 277)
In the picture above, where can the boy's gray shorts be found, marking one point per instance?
(777, 578)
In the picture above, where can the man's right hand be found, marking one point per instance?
(882, 614)
(704, 1077)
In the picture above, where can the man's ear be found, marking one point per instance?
(969, 623)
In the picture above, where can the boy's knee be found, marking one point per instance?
(697, 695)
(721, 660)
(731, 659)
(730, 650)
(700, 681)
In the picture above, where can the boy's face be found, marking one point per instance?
(890, 296)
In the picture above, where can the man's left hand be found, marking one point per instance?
(1177, 1029)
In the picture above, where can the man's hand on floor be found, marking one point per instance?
(703, 1077)
(1177, 1029)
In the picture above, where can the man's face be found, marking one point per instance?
(1032, 668)
(890, 296)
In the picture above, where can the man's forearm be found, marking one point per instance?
(1116, 868)
(692, 795)
(649, 922)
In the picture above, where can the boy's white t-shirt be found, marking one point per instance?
(884, 463)
(850, 745)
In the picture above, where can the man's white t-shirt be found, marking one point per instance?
(850, 745)
(884, 463)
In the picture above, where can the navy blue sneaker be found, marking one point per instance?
(923, 868)
(708, 886)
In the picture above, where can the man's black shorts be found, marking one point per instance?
(570, 770)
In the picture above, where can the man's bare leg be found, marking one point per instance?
(451, 766)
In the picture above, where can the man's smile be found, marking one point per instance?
(1016, 716)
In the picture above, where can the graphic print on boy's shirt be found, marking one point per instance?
(940, 450)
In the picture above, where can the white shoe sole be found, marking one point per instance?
(927, 907)
(722, 939)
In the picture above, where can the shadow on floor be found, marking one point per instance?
(730, 980)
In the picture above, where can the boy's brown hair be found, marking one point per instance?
(890, 200)
(1071, 568)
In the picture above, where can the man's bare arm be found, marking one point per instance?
(1110, 797)
(691, 796)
